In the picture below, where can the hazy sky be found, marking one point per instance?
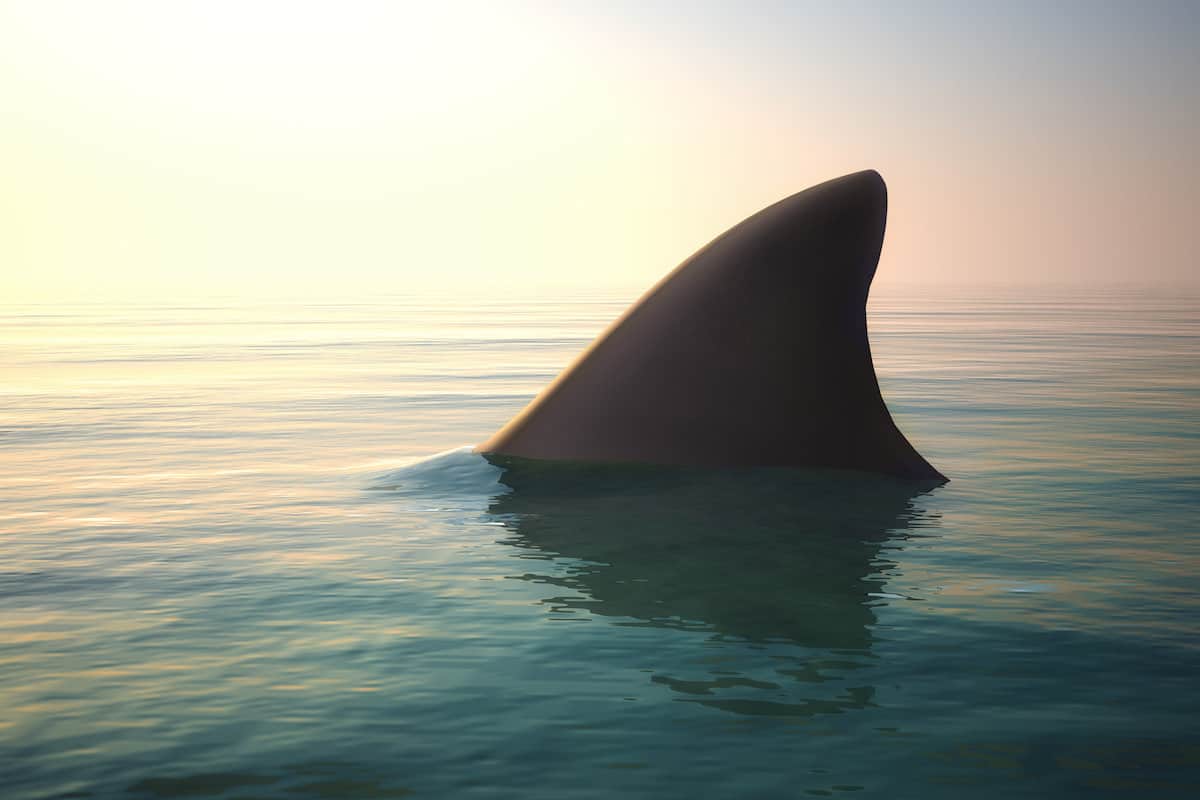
(165, 148)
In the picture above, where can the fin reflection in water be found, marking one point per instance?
(755, 556)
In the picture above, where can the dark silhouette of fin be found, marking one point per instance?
(753, 352)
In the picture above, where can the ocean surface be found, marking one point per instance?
(245, 553)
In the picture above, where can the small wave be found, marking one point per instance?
(457, 472)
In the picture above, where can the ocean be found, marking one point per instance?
(246, 552)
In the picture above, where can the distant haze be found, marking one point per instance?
(188, 149)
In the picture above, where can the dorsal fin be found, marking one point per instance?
(752, 352)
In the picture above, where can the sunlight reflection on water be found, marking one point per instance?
(230, 567)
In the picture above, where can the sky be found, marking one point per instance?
(170, 149)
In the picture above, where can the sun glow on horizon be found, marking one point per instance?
(188, 148)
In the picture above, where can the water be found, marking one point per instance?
(230, 567)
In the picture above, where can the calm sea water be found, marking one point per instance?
(231, 565)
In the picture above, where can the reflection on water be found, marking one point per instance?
(756, 556)
(215, 583)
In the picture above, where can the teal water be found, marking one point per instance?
(232, 566)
